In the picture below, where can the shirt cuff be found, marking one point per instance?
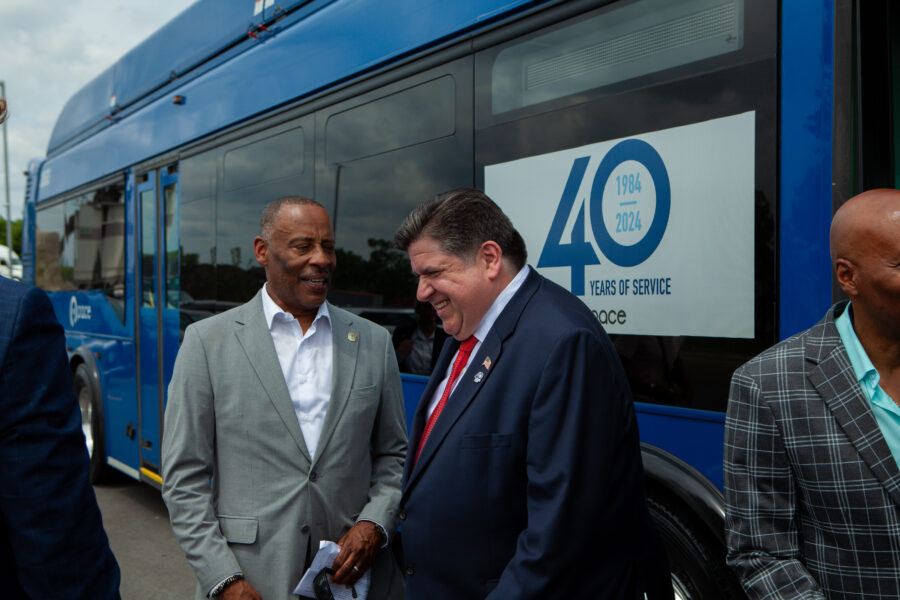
(217, 589)
(383, 531)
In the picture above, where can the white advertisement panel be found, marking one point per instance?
(654, 232)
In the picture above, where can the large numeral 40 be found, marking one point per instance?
(578, 253)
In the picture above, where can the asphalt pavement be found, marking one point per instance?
(137, 523)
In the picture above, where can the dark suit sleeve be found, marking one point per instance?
(761, 530)
(53, 525)
(585, 488)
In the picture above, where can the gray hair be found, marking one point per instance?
(270, 212)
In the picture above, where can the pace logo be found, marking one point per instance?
(630, 200)
(78, 312)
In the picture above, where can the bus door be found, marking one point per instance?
(158, 301)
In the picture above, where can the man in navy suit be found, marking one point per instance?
(52, 542)
(524, 480)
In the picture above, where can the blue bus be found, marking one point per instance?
(675, 163)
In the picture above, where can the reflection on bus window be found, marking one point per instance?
(198, 230)
(383, 176)
(80, 245)
(256, 181)
(633, 40)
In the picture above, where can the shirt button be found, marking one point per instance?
(410, 570)
(313, 476)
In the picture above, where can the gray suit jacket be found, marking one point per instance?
(242, 491)
(811, 486)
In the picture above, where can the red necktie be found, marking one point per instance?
(462, 357)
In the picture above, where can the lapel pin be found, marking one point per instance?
(352, 336)
(487, 363)
(479, 376)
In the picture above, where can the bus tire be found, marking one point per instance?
(91, 409)
(696, 559)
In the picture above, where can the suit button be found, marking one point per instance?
(313, 476)
(410, 570)
(304, 529)
(402, 515)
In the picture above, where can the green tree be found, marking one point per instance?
(16, 235)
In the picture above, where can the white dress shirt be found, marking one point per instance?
(306, 361)
(487, 321)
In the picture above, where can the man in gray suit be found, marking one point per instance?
(285, 426)
(812, 436)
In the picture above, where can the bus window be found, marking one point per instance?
(170, 239)
(637, 39)
(270, 159)
(386, 155)
(412, 116)
(49, 242)
(147, 201)
(254, 174)
(681, 325)
(876, 108)
(198, 231)
(80, 245)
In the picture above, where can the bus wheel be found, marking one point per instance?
(696, 561)
(91, 422)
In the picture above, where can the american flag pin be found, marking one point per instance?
(352, 336)
(479, 376)
(487, 363)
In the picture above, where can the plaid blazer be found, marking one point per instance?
(811, 487)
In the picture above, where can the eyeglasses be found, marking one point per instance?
(322, 588)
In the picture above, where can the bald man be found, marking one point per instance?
(812, 435)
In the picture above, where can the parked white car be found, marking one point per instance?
(14, 272)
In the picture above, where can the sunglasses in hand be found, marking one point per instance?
(322, 588)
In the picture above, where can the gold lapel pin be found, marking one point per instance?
(352, 336)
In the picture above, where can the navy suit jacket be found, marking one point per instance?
(52, 543)
(531, 484)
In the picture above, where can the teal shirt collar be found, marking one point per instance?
(865, 371)
(884, 409)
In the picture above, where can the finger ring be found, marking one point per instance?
(355, 568)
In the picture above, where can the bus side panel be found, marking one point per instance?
(695, 436)
(114, 357)
(115, 364)
(807, 73)
(413, 386)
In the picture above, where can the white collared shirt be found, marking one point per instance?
(306, 361)
(487, 321)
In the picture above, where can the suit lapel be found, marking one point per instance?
(418, 424)
(834, 379)
(344, 354)
(256, 340)
(472, 379)
(466, 390)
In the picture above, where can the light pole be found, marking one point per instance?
(9, 243)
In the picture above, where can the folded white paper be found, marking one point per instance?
(328, 551)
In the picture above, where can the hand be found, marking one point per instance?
(358, 548)
(239, 590)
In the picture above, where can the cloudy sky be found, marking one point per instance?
(48, 51)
